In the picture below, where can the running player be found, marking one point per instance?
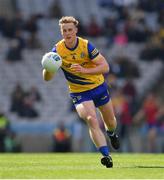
(83, 67)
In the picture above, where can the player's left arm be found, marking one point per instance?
(101, 67)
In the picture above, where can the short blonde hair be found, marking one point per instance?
(68, 19)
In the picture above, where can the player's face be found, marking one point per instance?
(69, 31)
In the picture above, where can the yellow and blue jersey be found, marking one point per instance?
(84, 54)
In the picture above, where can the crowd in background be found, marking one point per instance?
(126, 25)
(23, 102)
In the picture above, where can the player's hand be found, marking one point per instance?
(47, 76)
(78, 68)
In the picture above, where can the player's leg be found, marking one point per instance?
(109, 119)
(87, 111)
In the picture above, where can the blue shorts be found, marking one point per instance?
(99, 95)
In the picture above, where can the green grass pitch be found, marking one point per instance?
(80, 166)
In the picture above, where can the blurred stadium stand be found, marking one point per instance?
(55, 106)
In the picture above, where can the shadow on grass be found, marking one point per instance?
(148, 167)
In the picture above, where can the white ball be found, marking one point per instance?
(51, 61)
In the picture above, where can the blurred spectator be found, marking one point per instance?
(31, 24)
(123, 13)
(81, 28)
(27, 108)
(18, 21)
(161, 34)
(161, 17)
(62, 139)
(125, 126)
(124, 68)
(126, 3)
(110, 29)
(116, 68)
(121, 38)
(14, 52)
(105, 3)
(4, 128)
(129, 90)
(23, 102)
(55, 9)
(12, 144)
(160, 123)
(160, 117)
(137, 14)
(20, 38)
(2, 24)
(93, 28)
(149, 112)
(17, 98)
(136, 31)
(11, 25)
(33, 42)
(34, 94)
(124, 115)
(153, 51)
(9, 28)
(149, 5)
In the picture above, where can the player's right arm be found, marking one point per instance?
(47, 76)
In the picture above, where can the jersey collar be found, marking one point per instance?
(71, 49)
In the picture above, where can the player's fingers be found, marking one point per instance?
(74, 65)
(75, 69)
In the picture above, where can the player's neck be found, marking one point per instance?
(71, 44)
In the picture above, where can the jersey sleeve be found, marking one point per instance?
(92, 51)
(54, 49)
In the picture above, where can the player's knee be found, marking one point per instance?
(92, 121)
